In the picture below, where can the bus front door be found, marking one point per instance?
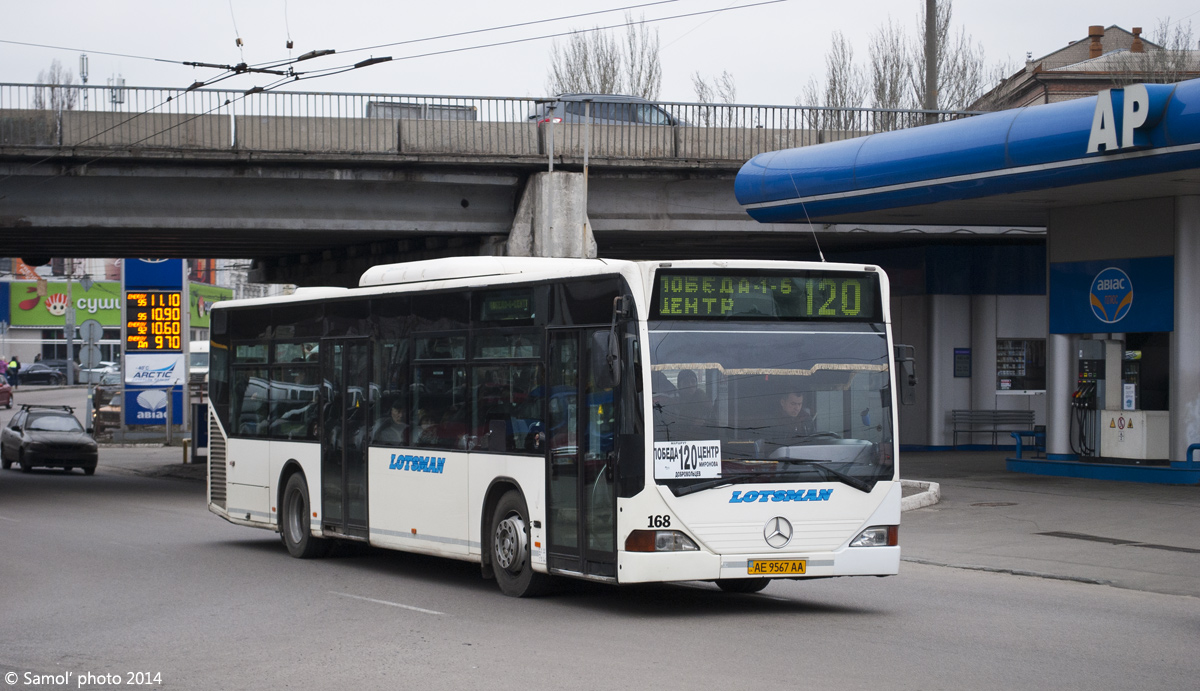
(345, 369)
(581, 459)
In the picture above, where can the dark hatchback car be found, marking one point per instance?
(41, 373)
(47, 436)
(61, 366)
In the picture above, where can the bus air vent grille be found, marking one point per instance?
(216, 463)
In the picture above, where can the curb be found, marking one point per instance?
(930, 494)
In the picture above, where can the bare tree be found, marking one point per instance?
(1174, 61)
(643, 71)
(53, 96)
(722, 89)
(596, 62)
(961, 75)
(589, 63)
(844, 88)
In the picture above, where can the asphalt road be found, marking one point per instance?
(126, 572)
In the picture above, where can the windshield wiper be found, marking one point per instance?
(856, 483)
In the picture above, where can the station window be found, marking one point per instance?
(1021, 364)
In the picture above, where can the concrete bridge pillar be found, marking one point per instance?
(551, 218)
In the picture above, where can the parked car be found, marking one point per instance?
(109, 388)
(95, 374)
(61, 366)
(6, 393)
(41, 373)
(107, 418)
(48, 436)
(607, 109)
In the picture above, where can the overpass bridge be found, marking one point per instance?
(315, 187)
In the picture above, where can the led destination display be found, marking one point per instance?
(153, 321)
(809, 295)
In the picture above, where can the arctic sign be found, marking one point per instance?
(154, 369)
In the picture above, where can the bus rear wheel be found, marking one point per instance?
(510, 549)
(742, 585)
(294, 523)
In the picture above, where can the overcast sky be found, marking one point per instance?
(771, 50)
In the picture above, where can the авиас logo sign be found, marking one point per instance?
(154, 405)
(1111, 295)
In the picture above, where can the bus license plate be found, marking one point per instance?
(767, 567)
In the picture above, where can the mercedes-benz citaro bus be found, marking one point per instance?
(616, 421)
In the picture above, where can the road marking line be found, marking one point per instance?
(385, 602)
(6, 518)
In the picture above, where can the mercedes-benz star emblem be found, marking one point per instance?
(778, 532)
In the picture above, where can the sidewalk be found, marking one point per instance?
(1128, 535)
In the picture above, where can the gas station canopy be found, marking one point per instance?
(1005, 168)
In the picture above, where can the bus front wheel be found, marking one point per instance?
(510, 549)
(294, 528)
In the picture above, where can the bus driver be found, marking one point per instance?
(793, 421)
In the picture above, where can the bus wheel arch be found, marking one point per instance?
(507, 542)
(295, 527)
(499, 487)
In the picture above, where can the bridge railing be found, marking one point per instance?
(33, 115)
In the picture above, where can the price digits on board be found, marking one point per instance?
(795, 297)
(153, 320)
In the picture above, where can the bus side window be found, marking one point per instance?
(507, 407)
(251, 410)
(439, 402)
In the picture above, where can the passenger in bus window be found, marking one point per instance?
(694, 406)
(393, 428)
(427, 432)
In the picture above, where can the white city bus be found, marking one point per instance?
(623, 422)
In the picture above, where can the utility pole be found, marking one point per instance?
(931, 61)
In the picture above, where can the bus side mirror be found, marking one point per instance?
(906, 373)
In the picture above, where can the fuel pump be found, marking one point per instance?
(1097, 389)
(1088, 397)
(1127, 432)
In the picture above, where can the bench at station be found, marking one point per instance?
(993, 422)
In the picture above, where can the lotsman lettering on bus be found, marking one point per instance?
(781, 495)
(417, 464)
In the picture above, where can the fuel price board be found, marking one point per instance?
(153, 321)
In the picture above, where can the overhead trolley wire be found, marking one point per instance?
(331, 71)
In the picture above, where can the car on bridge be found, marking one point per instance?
(606, 109)
(47, 436)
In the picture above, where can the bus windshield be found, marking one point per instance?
(794, 402)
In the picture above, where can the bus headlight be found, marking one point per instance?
(878, 536)
(659, 541)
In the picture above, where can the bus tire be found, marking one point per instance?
(742, 585)
(294, 526)
(511, 549)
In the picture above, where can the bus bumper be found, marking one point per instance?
(643, 567)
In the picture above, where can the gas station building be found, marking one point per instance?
(1097, 333)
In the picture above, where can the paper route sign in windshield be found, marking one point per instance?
(685, 460)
